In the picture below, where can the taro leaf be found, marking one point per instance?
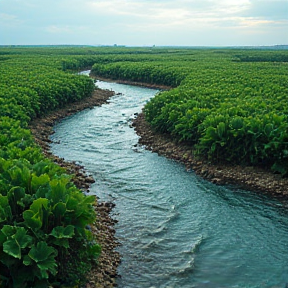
(48, 264)
(61, 235)
(62, 242)
(20, 176)
(38, 203)
(44, 256)
(39, 181)
(22, 238)
(89, 199)
(8, 230)
(42, 252)
(59, 209)
(63, 232)
(25, 201)
(41, 168)
(12, 248)
(15, 194)
(59, 191)
(34, 216)
(32, 219)
(18, 241)
(40, 185)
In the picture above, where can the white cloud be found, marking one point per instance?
(144, 21)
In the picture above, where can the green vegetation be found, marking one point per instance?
(229, 104)
(43, 216)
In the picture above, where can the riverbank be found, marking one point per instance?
(249, 178)
(245, 177)
(127, 82)
(104, 274)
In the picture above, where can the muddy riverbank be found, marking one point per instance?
(104, 274)
(250, 178)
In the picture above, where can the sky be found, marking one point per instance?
(144, 22)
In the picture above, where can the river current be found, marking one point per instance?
(176, 229)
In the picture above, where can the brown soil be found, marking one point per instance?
(250, 178)
(104, 274)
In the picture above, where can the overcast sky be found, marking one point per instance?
(144, 22)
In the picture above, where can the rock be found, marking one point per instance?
(89, 180)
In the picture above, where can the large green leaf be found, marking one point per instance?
(43, 257)
(42, 252)
(22, 238)
(47, 265)
(32, 219)
(17, 241)
(59, 210)
(12, 248)
(8, 230)
(63, 232)
(37, 204)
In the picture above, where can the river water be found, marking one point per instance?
(176, 229)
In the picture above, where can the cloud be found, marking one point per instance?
(143, 21)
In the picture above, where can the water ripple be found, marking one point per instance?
(176, 229)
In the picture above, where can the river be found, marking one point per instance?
(176, 229)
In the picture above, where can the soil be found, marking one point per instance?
(244, 177)
(104, 274)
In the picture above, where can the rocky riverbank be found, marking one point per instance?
(104, 274)
(250, 178)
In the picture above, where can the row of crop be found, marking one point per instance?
(38, 88)
(229, 110)
(235, 113)
(152, 73)
(217, 91)
(43, 216)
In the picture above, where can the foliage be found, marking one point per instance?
(231, 105)
(43, 216)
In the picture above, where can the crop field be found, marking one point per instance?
(230, 105)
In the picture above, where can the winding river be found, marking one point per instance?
(176, 229)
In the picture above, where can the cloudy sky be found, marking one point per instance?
(144, 22)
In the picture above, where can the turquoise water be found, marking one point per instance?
(176, 229)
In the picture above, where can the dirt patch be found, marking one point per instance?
(249, 178)
(104, 274)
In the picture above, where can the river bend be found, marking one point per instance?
(176, 229)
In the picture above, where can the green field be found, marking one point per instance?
(230, 105)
